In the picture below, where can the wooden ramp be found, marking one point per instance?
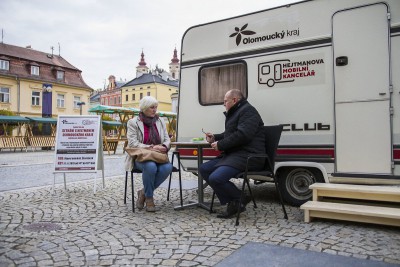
(378, 204)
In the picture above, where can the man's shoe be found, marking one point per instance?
(231, 210)
(246, 200)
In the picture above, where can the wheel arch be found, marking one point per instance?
(304, 164)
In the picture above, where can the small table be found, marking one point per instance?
(200, 193)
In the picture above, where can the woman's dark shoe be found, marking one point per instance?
(140, 199)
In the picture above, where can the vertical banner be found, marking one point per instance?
(78, 144)
(47, 103)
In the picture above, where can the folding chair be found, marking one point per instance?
(174, 169)
(272, 136)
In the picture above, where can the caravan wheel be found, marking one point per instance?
(294, 184)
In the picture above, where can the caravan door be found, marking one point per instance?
(361, 48)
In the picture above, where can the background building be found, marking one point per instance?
(157, 83)
(111, 96)
(34, 83)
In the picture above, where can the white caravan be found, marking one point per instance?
(327, 70)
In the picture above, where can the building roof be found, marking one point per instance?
(151, 78)
(34, 55)
(47, 62)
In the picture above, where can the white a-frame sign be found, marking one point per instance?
(79, 147)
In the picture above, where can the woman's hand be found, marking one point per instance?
(160, 148)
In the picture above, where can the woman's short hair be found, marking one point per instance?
(147, 102)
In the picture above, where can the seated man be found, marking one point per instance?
(243, 135)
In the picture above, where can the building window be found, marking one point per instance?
(115, 100)
(4, 95)
(60, 100)
(106, 101)
(133, 97)
(148, 93)
(35, 98)
(119, 99)
(215, 81)
(141, 95)
(77, 99)
(126, 97)
(35, 70)
(111, 101)
(4, 65)
(60, 75)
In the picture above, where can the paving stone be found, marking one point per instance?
(99, 230)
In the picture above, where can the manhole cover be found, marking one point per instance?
(42, 226)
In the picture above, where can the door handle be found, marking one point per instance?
(342, 61)
(382, 94)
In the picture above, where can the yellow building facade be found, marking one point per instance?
(36, 84)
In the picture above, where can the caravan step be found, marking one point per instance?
(350, 212)
(362, 192)
(364, 180)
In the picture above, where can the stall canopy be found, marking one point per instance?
(13, 119)
(111, 109)
(42, 120)
(112, 123)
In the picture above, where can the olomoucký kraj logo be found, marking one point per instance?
(238, 33)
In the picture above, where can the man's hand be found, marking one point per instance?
(210, 138)
(215, 145)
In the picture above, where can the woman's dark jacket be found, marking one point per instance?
(243, 135)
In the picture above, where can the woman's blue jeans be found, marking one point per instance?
(153, 175)
(219, 179)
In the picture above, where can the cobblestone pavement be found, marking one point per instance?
(78, 228)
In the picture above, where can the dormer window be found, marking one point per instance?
(4, 64)
(34, 70)
(60, 75)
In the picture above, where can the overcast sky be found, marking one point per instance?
(104, 37)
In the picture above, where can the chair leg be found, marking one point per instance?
(169, 185)
(180, 177)
(133, 192)
(126, 186)
(212, 202)
(280, 197)
(170, 176)
(240, 201)
(251, 193)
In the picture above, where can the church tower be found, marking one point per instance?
(174, 65)
(141, 68)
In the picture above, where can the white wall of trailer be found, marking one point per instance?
(302, 32)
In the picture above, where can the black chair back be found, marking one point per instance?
(272, 136)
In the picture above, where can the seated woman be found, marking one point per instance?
(148, 130)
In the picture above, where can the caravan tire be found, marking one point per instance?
(294, 184)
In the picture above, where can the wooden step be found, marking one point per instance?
(350, 212)
(362, 192)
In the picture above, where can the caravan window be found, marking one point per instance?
(265, 70)
(215, 81)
